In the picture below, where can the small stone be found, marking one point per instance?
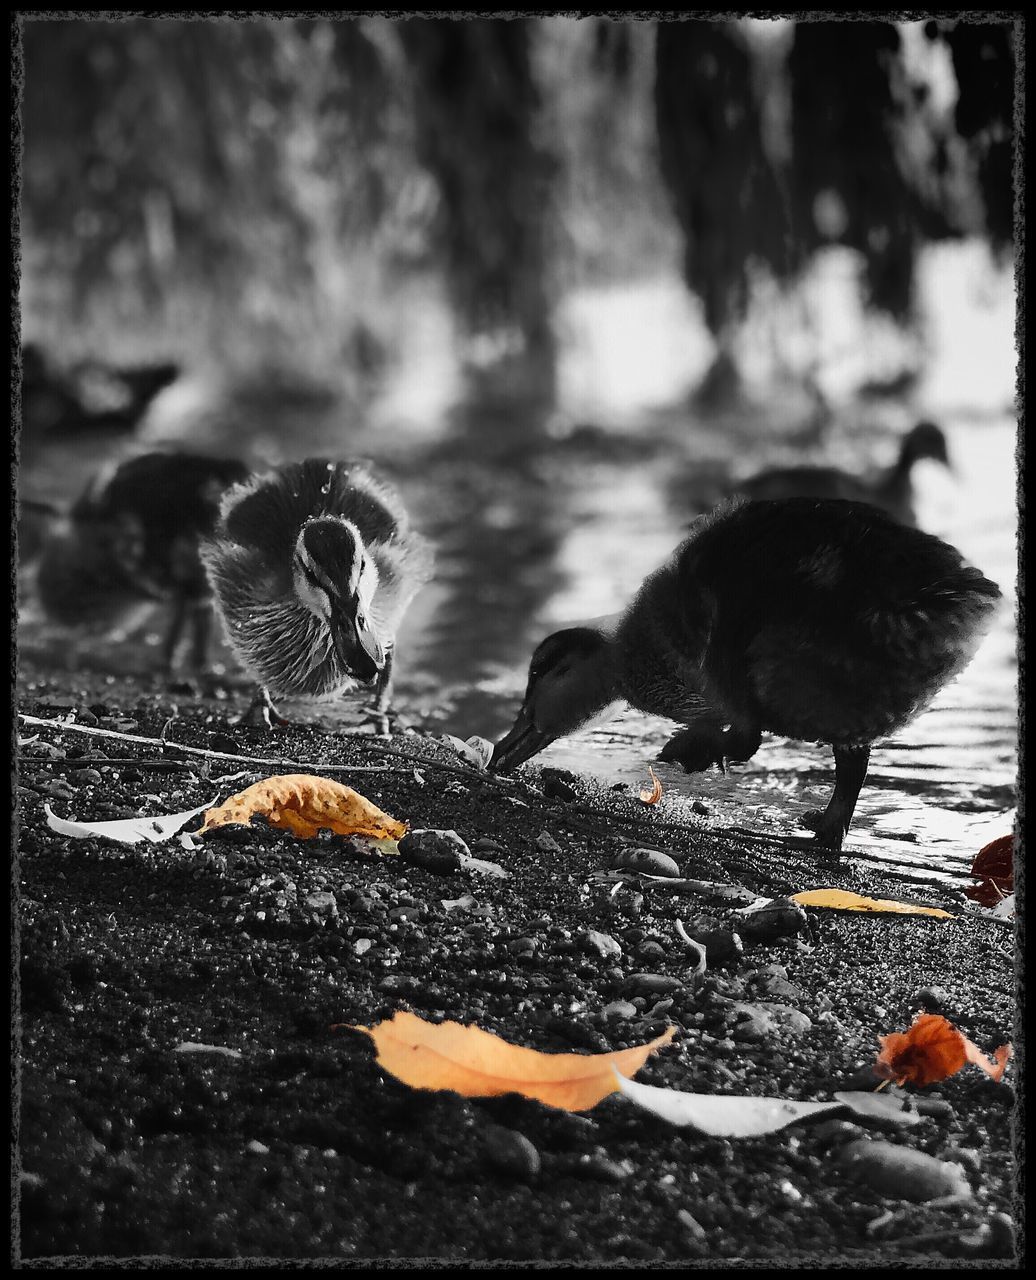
(931, 1000)
(937, 1107)
(557, 785)
(547, 843)
(511, 1153)
(85, 716)
(691, 1224)
(649, 861)
(485, 845)
(320, 904)
(521, 946)
(835, 1133)
(778, 919)
(655, 984)
(436, 851)
(902, 1173)
(258, 1148)
(602, 1168)
(59, 789)
(602, 943)
(620, 1009)
(701, 809)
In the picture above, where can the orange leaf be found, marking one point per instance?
(305, 804)
(932, 1049)
(478, 1064)
(652, 794)
(977, 1058)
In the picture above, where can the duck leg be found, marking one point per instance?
(708, 743)
(379, 712)
(201, 634)
(262, 713)
(850, 771)
(172, 639)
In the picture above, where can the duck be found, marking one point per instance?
(820, 620)
(90, 396)
(134, 536)
(892, 489)
(312, 567)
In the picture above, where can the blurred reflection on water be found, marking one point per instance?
(538, 526)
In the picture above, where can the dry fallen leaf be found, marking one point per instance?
(124, 830)
(305, 804)
(994, 866)
(652, 794)
(843, 900)
(478, 1064)
(931, 1049)
(722, 1116)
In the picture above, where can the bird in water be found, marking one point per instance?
(892, 489)
(823, 621)
(133, 537)
(313, 567)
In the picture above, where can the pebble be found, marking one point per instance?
(620, 1009)
(547, 843)
(778, 919)
(649, 949)
(691, 1224)
(701, 809)
(602, 1168)
(931, 1000)
(59, 789)
(902, 1173)
(762, 1019)
(602, 943)
(937, 1107)
(85, 716)
(655, 984)
(835, 1133)
(649, 861)
(436, 851)
(511, 1153)
(321, 904)
(485, 845)
(557, 785)
(521, 946)
(258, 1148)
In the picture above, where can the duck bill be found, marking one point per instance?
(358, 648)
(521, 744)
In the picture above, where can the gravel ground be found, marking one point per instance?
(300, 1147)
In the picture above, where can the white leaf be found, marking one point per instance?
(718, 1115)
(877, 1106)
(125, 830)
(189, 1046)
(468, 863)
(476, 751)
(457, 904)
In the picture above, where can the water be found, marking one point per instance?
(542, 520)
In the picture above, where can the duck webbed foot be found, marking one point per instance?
(708, 743)
(831, 825)
(262, 714)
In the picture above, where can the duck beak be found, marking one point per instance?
(358, 645)
(521, 744)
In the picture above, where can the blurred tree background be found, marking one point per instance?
(258, 191)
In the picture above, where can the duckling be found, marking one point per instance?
(312, 568)
(817, 620)
(134, 536)
(892, 490)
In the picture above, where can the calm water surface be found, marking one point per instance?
(540, 524)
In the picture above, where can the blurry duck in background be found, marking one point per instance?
(312, 568)
(892, 490)
(133, 537)
(92, 395)
(818, 620)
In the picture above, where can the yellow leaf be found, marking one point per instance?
(843, 900)
(304, 804)
(478, 1064)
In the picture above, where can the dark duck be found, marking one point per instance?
(824, 621)
(313, 567)
(133, 537)
(891, 489)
